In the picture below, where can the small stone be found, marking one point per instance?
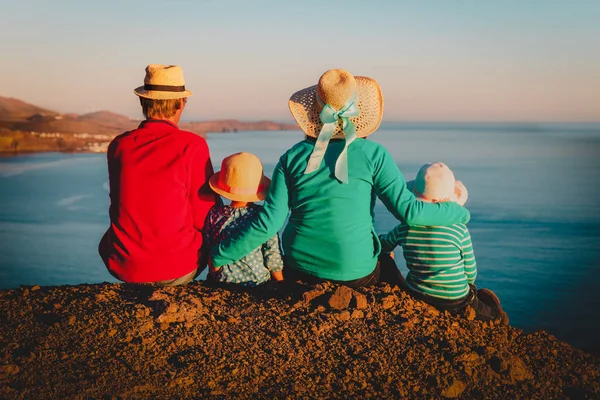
(388, 302)
(517, 370)
(307, 297)
(344, 315)
(467, 357)
(361, 300)
(341, 298)
(34, 288)
(10, 369)
(454, 390)
(470, 313)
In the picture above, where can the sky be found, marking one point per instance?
(435, 60)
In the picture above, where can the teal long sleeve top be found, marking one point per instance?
(330, 231)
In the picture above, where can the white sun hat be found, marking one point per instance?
(435, 182)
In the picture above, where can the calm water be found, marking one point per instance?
(534, 196)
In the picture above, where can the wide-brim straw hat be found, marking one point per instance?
(241, 178)
(335, 88)
(435, 182)
(163, 82)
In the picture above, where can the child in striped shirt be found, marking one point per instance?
(440, 259)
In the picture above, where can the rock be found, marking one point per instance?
(9, 369)
(454, 390)
(470, 313)
(312, 294)
(344, 315)
(467, 357)
(388, 302)
(517, 370)
(341, 298)
(361, 300)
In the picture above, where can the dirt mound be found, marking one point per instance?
(292, 340)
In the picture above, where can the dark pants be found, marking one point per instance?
(483, 312)
(383, 272)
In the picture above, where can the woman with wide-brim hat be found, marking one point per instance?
(329, 182)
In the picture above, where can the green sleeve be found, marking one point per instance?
(469, 258)
(390, 240)
(263, 227)
(391, 188)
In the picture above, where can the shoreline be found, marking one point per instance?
(198, 340)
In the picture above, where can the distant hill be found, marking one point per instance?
(17, 115)
(17, 110)
(105, 117)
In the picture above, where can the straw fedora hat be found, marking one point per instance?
(435, 182)
(163, 82)
(336, 87)
(240, 178)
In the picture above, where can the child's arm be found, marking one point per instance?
(267, 223)
(390, 240)
(390, 186)
(272, 257)
(469, 258)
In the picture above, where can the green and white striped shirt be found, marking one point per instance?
(440, 259)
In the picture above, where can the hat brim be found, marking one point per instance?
(158, 95)
(305, 109)
(213, 182)
(459, 196)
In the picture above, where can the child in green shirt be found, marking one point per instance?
(440, 259)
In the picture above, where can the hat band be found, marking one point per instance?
(241, 190)
(164, 88)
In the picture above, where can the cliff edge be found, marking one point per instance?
(286, 341)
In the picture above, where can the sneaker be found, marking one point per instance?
(490, 298)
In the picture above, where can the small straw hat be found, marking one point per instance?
(435, 183)
(240, 178)
(336, 87)
(163, 82)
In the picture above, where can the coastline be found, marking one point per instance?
(295, 340)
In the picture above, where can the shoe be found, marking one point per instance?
(490, 298)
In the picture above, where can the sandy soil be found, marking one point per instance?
(282, 341)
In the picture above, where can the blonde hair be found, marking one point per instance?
(153, 108)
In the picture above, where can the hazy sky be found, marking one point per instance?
(500, 60)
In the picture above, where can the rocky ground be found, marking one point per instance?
(288, 341)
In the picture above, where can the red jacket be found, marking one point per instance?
(159, 198)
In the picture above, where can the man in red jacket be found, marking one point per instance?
(159, 195)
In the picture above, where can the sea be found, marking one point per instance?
(534, 198)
